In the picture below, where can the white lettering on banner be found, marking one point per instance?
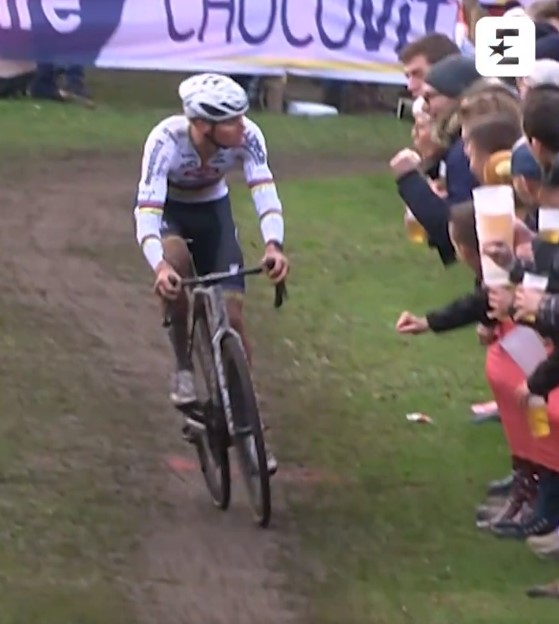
(64, 23)
(344, 39)
(5, 17)
(22, 11)
(22, 8)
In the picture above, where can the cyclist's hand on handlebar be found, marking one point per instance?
(167, 281)
(275, 263)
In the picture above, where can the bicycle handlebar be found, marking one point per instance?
(215, 278)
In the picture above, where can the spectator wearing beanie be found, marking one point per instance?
(444, 84)
(526, 176)
(546, 71)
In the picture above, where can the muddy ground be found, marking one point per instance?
(67, 247)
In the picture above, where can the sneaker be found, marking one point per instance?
(545, 545)
(78, 96)
(509, 510)
(490, 509)
(544, 591)
(183, 390)
(500, 487)
(485, 412)
(534, 527)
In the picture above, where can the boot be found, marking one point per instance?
(545, 517)
(522, 494)
(500, 487)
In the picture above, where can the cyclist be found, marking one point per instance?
(182, 194)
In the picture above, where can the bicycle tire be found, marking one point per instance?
(213, 446)
(246, 417)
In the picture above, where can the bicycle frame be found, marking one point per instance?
(218, 321)
(207, 289)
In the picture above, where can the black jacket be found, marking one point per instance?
(546, 262)
(431, 210)
(472, 308)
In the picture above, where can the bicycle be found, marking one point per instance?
(226, 413)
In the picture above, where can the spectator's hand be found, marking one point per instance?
(438, 187)
(525, 251)
(499, 252)
(527, 302)
(522, 394)
(500, 301)
(523, 235)
(404, 161)
(485, 335)
(408, 323)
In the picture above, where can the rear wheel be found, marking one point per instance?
(248, 438)
(212, 447)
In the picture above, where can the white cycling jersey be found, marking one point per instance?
(172, 170)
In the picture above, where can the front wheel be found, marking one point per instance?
(248, 438)
(212, 446)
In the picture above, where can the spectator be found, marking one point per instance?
(546, 71)
(526, 181)
(545, 14)
(45, 84)
(484, 97)
(489, 135)
(444, 84)
(418, 57)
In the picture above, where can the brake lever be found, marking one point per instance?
(281, 294)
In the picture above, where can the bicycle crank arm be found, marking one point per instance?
(195, 425)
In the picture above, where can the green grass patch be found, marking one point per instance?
(395, 541)
(131, 103)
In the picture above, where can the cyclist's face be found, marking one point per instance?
(230, 133)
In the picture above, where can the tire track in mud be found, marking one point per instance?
(195, 565)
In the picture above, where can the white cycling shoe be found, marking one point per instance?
(183, 389)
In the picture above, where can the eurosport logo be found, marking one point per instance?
(505, 46)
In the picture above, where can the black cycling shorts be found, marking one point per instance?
(215, 245)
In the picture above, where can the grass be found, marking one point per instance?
(138, 103)
(394, 541)
(65, 525)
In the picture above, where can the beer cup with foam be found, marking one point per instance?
(548, 224)
(532, 281)
(494, 214)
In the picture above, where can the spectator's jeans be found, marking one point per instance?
(45, 79)
(75, 79)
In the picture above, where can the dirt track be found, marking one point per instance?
(67, 244)
(65, 223)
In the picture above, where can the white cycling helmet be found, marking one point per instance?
(212, 97)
